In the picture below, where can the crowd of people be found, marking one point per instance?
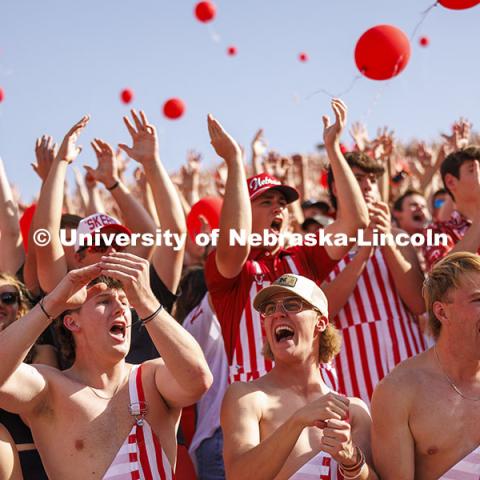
(305, 360)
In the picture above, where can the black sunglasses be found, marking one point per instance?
(9, 298)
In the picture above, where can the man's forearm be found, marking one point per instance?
(349, 196)
(471, 240)
(265, 461)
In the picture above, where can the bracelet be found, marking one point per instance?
(144, 321)
(113, 187)
(353, 477)
(44, 311)
(359, 463)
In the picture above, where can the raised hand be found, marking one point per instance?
(359, 135)
(225, 146)
(277, 165)
(380, 217)
(121, 162)
(45, 152)
(384, 145)
(68, 150)
(259, 144)
(106, 171)
(332, 133)
(71, 292)
(144, 138)
(134, 274)
(424, 154)
(460, 136)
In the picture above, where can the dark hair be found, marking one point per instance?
(455, 160)
(65, 336)
(354, 159)
(193, 288)
(398, 203)
(69, 220)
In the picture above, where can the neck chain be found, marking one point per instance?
(457, 390)
(94, 391)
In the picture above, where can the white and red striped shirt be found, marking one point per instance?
(320, 467)
(378, 331)
(242, 327)
(141, 457)
(466, 469)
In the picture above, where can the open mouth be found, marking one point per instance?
(118, 330)
(276, 225)
(418, 217)
(283, 333)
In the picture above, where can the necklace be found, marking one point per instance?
(457, 390)
(94, 391)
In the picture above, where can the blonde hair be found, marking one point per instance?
(329, 346)
(446, 276)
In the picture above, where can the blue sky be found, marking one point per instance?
(62, 59)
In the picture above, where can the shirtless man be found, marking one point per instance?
(288, 424)
(103, 418)
(426, 420)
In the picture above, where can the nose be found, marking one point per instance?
(366, 185)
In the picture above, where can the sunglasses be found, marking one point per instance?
(102, 247)
(9, 298)
(288, 305)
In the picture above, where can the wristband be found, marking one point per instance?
(113, 187)
(358, 464)
(44, 311)
(144, 321)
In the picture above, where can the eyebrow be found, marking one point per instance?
(122, 296)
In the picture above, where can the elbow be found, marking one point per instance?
(203, 381)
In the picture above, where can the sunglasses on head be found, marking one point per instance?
(9, 298)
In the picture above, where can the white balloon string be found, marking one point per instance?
(424, 15)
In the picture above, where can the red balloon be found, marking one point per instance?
(424, 41)
(2, 94)
(173, 108)
(126, 95)
(382, 52)
(25, 224)
(208, 209)
(205, 11)
(458, 4)
(303, 57)
(232, 50)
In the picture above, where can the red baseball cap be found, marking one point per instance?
(263, 182)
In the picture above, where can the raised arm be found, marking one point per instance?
(259, 147)
(166, 261)
(136, 217)
(236, 210)
(22, 386)
(182, 375)
(352, 210)
(402, 261)
(11, 245)
(51, 261)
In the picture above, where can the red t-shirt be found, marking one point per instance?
(230, 295)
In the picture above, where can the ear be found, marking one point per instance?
(70, 324)
(451, 182)
(321, 324)
(440, 312)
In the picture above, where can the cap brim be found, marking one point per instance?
(267, 292)
(290, 193)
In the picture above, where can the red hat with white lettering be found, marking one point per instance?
(261, 183)
(99, 222)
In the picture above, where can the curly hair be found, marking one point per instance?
(25, 300)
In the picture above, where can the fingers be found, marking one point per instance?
(326, 121)
(83, 276)
(125, 148)
(130, 128)
(137, 121)
(79, 126)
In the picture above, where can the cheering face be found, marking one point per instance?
(103, 325)
(9, 304)
(270, 212)
(291, 326)
(414, 216)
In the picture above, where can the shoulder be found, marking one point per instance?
(247, 395)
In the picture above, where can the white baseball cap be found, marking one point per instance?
(98, 222)
(300, 286)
